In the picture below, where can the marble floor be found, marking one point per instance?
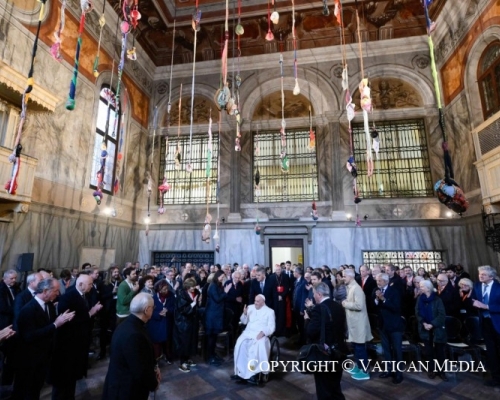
(208, 382)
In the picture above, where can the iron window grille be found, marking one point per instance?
(189, 188)
(427, 259)
(489, 80)
(402, 167)
(300, 183)
(107, 131)
(198, 258)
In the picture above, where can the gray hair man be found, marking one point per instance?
(486, 297)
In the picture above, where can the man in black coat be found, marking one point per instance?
(261, 285)
(327, 383)
(449, 296)
(26, 295)
(70, 359)
(368, 284)
(132, 371)
(8, 292)
(234, 299)
(387, 299)
(37, 324)
(280, 287)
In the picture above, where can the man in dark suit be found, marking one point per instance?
(234, 299)
(449, 296)
(261, 285)
(26, 295)
(300, 293)
(392, 271)
(132, 371)
(327, 383)
(280, 287)
(37, 324)
(8, 293)
(387, 299)
(70, 359)
(368, 284)
(486, 297)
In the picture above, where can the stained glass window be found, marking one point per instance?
(427, 259)
(106, 138)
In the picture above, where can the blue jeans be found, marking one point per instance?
(360, 354)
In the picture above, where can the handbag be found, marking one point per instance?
(316, 352)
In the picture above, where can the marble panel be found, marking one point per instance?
(334, 244)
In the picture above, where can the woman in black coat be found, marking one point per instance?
(431, 317)
(214, 314)
(186, 324)
(159, 325)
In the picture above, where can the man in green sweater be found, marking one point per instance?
(126, 292)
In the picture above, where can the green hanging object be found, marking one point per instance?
(285, 164)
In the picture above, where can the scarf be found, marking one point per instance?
(425, 307)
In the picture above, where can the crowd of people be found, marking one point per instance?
(155, 314)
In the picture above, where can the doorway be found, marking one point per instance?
(282, 250)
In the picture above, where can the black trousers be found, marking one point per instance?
(300, 326)
(492, 342)
(328, 385)
(28, 383)
(64, 391)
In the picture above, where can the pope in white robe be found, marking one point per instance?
(253, 346)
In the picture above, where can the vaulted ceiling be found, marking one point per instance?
(380, 20)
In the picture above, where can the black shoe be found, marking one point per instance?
(385, 375)
(254, 380)
(236, 377)
(431, 375)
(397, 379)
(101, 356)
(443, 377)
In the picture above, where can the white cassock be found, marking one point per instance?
(248, 348)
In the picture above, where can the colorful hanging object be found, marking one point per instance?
(222, 95)
(312, 136)
(235, 108)
(326, 10)
(448, 191)
(102, 23)
(100, 174)
(269, 35)
(195, 23)
(119, 157)
(296, 88)
(178, 149)
(15, 157)
(207, 229)
(338, 11)
(87, 7)
(55, 49)
(150, 173)
(285, 161)
(314, 211)
(275, 17)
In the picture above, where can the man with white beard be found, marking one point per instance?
(253, 346)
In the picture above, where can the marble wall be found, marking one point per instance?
(336, 243)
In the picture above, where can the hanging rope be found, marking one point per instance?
(235, 109)
(196, 27)
(165, 187)
(285, 162)
(223, 94)
(216, 235)
(55, 49)
(178, 150)
(447, 190)
(15, 157)
(119, 161)
(150, 173)
(296, 89)
(87, 7)
(257, 180)
(207, 228)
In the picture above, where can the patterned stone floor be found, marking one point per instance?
(206, 382)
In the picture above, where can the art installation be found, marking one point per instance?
(55, 49)
(102, 23)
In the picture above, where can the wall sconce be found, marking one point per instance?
(449, 214)
(349, 217)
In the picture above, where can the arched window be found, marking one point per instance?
(106, 137)
(489, 79)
